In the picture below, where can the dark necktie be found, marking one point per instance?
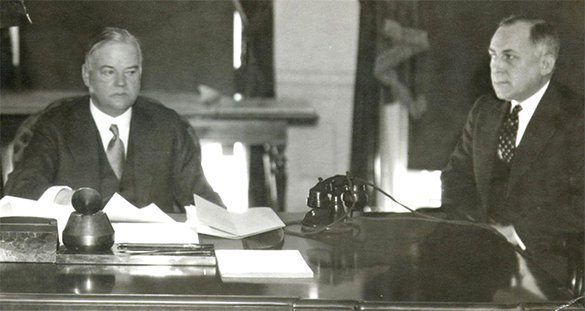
(115, 152)
(507, 138)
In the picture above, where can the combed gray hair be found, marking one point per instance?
(541, 32)
(112, 34)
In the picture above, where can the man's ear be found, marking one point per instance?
(547, 64)
(85, 74)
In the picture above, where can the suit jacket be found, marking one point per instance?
(545, 188)
(163, 161)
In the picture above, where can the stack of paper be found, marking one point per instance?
(131, 224)
(249, 265)
(14, 206)
(171, 233)
(214, 220)
(139, 226)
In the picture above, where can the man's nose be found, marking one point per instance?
(120, 79)
(496, 64)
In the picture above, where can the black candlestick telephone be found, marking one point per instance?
(332, 200)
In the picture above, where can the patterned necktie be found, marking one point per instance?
(115, 152)
(507, 138)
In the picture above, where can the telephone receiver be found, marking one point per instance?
(331, 200)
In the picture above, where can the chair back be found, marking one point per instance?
(23, 135)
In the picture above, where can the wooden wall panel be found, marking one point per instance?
(185, 43)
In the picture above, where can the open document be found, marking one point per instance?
(211, 219)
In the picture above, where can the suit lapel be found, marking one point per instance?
(495, 113)
(140, 150)
(83, 142)
(540, 129)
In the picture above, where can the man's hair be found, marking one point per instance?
(112, 34)
(541, 32)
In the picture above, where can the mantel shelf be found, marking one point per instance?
(188, 104)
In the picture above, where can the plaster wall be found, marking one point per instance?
(315, 60)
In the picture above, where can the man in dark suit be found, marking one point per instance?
(112, 140)
(519, 163)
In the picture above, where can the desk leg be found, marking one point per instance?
(267, 176)
(274, 162)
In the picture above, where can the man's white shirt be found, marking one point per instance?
(528, 107)
(104, 121)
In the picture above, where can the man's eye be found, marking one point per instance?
(131, 73)
(107, 72)
(505, 57)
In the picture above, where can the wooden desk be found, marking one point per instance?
(253, 122)
(388, 262)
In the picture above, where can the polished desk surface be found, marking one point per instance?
(385, 262)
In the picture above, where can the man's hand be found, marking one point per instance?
(63, 197)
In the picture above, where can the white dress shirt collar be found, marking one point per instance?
(528, 107)
(104, 121)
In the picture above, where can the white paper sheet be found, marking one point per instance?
(154, 233)
(262, 264)
(120, 210)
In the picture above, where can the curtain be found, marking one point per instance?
(389, 52)
(366, 112)
(255, 78)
